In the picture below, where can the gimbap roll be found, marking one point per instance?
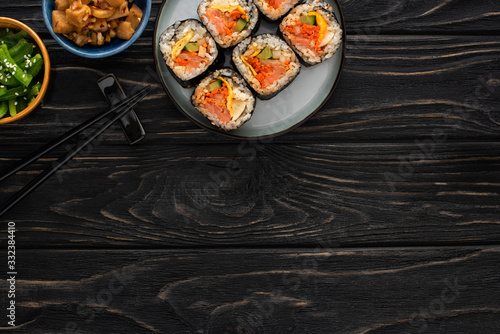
(313, 32)
(189, 51)
(224, 99)
(267, 63)
(229, 21)
(275, 9)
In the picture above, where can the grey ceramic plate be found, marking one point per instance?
(287, 110)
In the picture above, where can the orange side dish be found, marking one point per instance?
(95, 21)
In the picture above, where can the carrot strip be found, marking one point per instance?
(273, 3)
(262, 70)
(307, 31)
(228, 19)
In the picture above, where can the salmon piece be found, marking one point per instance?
(216, 17)
(304, 35)
(306, 43)
(277, 69)
(302, 41)
(268, 70)
(224, 22)
(222, 114)
(190, 60)
(216, 104)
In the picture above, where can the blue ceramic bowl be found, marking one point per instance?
(89, 51)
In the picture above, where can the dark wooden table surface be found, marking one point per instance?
(381, 214)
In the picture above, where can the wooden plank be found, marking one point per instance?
(306, 291)
(421, 17)
(423, 193)
(362, 17)
(393, 88)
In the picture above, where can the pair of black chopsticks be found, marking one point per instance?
(120, 110)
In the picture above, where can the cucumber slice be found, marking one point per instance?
(266, 53)
(214, 85)
(240, 25)
(192, 47)
(4, 108)
(308, 19)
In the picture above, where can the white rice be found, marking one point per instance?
(177, 31)
(279, 48)
(226, 41)
(332, 39)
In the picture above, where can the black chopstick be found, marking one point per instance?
(61, 139)
(121, 110)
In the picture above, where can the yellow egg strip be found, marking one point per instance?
(230, 8)
(230, 96)
(322, 24)
(177, 49)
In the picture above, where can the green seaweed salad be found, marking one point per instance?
(20, 71)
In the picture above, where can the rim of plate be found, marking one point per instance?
(229, 134)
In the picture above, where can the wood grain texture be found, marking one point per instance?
(306, 291)
(190, 232)
(422, 193)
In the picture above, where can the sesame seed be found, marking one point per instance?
(17, 94)
(15, 103)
